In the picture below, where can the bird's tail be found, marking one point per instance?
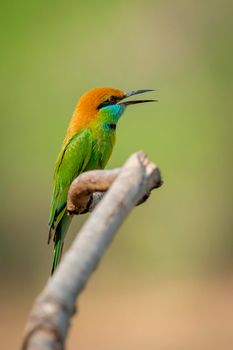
(59, 236)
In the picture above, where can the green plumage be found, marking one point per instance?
(86, 150)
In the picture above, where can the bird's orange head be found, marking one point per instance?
(98, 102)
(92, 101)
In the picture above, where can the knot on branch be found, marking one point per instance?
(88, 189)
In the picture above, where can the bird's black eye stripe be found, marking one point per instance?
(112, 100)
(104, 104)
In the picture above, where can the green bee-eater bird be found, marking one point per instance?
(88, 145)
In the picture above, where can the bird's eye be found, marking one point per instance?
(112, 100)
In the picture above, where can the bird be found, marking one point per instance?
(87, 145)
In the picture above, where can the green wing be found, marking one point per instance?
(71, 161)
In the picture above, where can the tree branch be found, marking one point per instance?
(88, 189)
(48, 322)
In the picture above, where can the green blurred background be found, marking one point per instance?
(52, 52)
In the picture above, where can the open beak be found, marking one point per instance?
(133, 102)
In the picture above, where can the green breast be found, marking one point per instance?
(102, 147)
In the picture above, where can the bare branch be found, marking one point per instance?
(48, 323)
(88, 189)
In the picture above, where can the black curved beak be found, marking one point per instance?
(133, 102)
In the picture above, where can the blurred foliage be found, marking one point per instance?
(52, 52)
